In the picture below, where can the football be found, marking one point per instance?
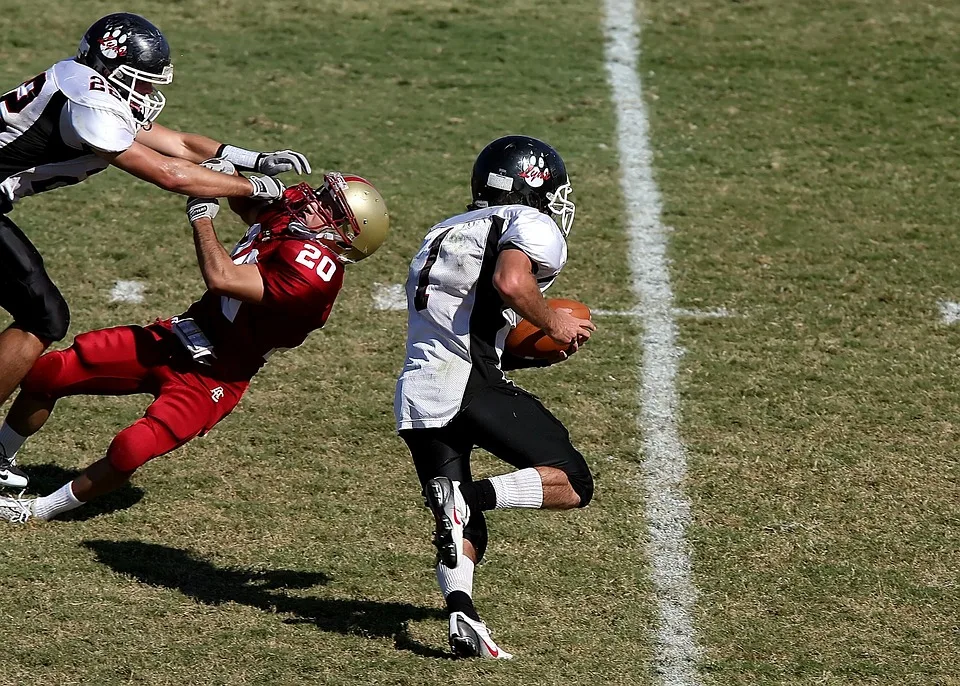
(529, 342)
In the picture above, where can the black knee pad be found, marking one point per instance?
(45, 313)
(476, 532)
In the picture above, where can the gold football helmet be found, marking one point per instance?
(359, 215)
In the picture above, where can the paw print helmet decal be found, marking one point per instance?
(134, 57)
(520, 170)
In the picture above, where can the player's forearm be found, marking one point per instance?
(211, 255)
(220, 274)
(186, 178)
(197, 148)
(521, 293)
(192, 147)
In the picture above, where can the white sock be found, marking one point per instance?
(10, 441)
(58, 502)
(522, 488)
(460, 578)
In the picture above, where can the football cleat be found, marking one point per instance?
(11, 476)
(471, 638)
(452, 514)
(16, 510)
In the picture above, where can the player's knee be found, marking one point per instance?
(138, 443)
(476, 532)
(581, 480)
(43, 378)
(47, 314)
(582, 485)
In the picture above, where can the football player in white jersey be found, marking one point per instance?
(73, 120)
(473, 276)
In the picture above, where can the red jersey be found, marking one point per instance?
(301, 280)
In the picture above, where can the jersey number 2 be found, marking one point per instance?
(308, 257)
(21, 96)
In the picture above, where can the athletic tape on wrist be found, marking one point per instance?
(240, 157)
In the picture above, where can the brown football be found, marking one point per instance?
(528, 341)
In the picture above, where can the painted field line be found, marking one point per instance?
(389, 296)
(715, 313)
(667, 510)
(949, 311)
(127, 292)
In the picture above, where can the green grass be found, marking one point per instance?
(290, 545)
(806, 153)
(806, 156)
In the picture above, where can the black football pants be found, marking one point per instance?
(26, 291)
(511, 424)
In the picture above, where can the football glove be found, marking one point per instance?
(266, 187)
(273, 163)
(218, 164)
(269, 163)
(199, 208)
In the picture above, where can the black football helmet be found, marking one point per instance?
(520, 170)
(133, 56)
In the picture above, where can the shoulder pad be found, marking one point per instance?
(74, 81)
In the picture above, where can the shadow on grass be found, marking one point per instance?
(183, 571)
(46, 478)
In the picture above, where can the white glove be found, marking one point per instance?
(273, 163)
(198, 208)
(269, 163)
(218, 164)
(266, 187)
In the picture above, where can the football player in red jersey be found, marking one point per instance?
(279, 284)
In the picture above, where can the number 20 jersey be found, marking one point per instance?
(457, 322)
(51, 125)
(301, 280)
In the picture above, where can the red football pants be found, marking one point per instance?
(188, 399)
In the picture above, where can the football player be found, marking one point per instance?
(474, 274)
(73, 120)
(279, 284)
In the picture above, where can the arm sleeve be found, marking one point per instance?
(538, 237)
(98, 128)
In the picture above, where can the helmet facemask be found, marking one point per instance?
(562, 208)
(324, 214)
(134, 57)
(137, 87)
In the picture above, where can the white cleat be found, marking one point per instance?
(16, 510)
(11, 476)
(452, 514)
(471, 638)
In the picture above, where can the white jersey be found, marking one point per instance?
(457, 322)
(51, 125)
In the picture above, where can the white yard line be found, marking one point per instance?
(949, 312)
(716, 313)
(667, 509)
(389, 296)
(127, 292)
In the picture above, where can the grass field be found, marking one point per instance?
(806, 154)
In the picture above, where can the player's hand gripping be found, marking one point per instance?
(266, 187)
(218, 164)
(199, 208)
(273, 163)
(569, 331)
(202, 208)
(269, 163)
